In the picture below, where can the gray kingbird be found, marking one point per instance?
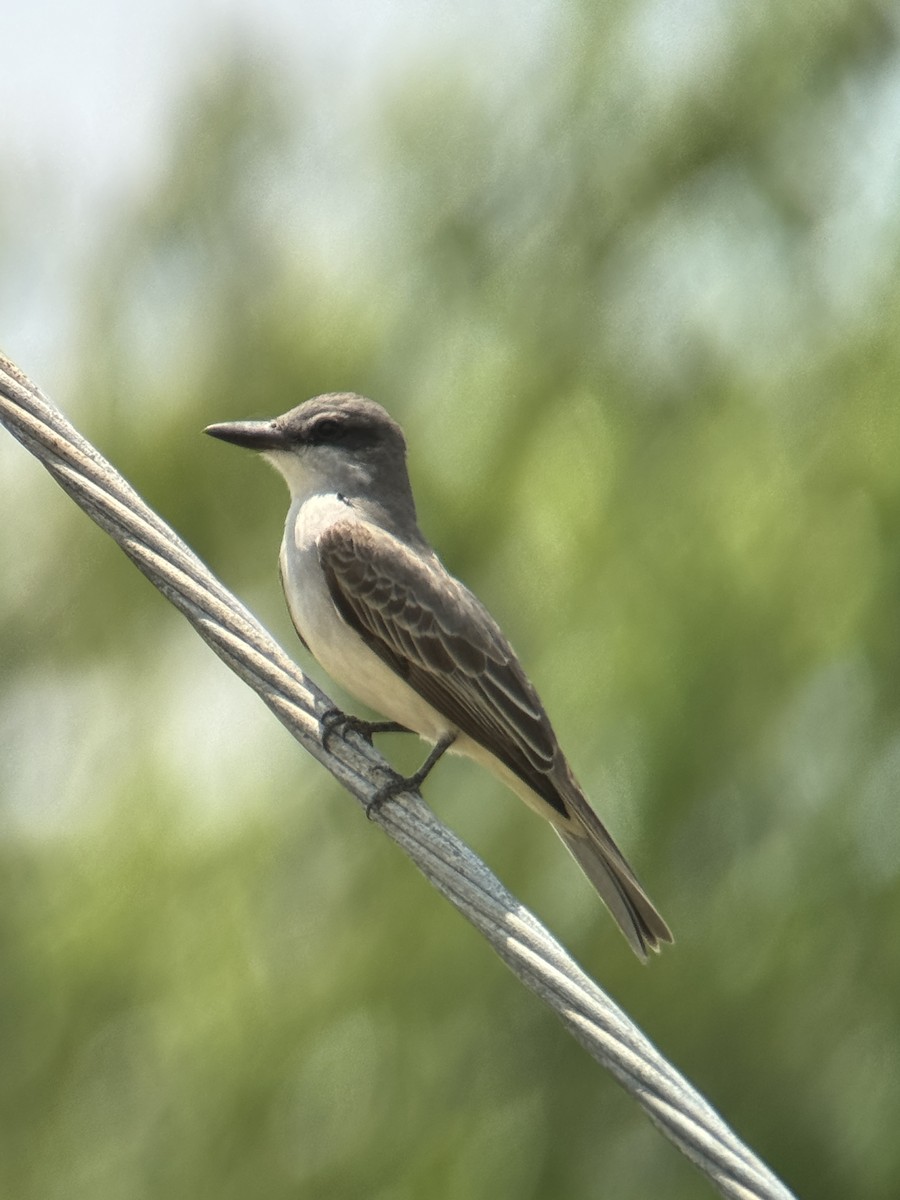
(379, 611)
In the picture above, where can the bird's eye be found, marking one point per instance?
(329, 430)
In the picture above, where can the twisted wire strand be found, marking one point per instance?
(516, 935)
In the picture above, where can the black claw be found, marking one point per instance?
(394, 787)
(386, 792)
(330, 722)
(334, 719)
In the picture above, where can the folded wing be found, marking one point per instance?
(437, 636)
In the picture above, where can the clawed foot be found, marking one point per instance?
(387, 791)
(410, 783)
(334, 720)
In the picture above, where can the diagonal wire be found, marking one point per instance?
(538, 960)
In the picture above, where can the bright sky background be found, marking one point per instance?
(86, 107)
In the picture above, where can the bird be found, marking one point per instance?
(378, 610)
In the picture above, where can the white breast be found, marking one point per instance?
(334, 644)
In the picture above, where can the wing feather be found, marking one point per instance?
(429, 628)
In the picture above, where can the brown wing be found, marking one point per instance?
(437, 636)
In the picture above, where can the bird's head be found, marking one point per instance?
(338, 443)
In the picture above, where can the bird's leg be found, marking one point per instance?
(334, 719)
(411, 783)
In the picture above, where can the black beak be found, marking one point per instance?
(254, 435)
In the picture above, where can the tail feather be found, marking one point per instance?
(601, 860)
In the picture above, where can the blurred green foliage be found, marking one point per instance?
(636, 303)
